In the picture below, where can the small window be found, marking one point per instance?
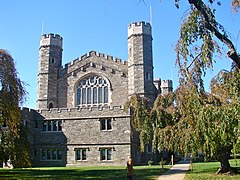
(49, 125)
(51, 154)
(48, 154)
(44, 154)
(50, 105)
(59, 154)
(81, 154)
(59, 125)
(147, 76)
(45, 126)
(52, 125)
(105, 154)
(106, 124)
(54, 154)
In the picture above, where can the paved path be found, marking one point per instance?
(177, 172)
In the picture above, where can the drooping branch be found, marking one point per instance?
(232, 53)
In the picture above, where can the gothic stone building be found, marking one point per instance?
(80, 118)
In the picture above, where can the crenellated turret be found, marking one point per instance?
(49, 64)
(166, 86)
(140, 60)
(51, 40)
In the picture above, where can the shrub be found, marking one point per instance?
(150, 162)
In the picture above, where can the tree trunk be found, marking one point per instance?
(223, 156)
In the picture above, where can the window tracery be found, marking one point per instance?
(92, 90)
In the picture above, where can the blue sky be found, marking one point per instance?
(99, 25)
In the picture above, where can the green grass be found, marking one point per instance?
(69, 173)
(208, 171)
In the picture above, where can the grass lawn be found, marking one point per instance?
(69, 173)
(208, 171)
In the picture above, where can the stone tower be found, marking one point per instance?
(140, 60)
(49, 63)
(166, 86)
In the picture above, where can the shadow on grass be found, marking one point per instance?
(208, 171)
(80, 173)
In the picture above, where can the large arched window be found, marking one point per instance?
(92, 90)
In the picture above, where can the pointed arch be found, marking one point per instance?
(93, 90)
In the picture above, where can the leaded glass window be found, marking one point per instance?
(92, 90)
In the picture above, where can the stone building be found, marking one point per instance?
(79, 118)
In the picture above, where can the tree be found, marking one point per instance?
(191, 119)
(12, 94)
(211, 117)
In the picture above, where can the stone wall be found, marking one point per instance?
(96, 64)
(80, 129)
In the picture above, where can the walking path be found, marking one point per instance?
(177, 172)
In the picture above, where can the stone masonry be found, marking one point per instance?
(79, 118)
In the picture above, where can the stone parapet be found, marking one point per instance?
(139, 28)
(51, 40)
(83, 113)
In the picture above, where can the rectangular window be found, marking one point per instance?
(77, 154)
(51, 154)
(54, 154)
(105, 154)
(44, 154)
(109, 124)
(102, 154)
(84, 154)
(59, 125)
(44, 126)
(81, 154)
(103, 124)
(106, 124)
(52, 126)
(54, 123)
(49, 125)
(109, 154)
(59, 154)
(48, 154)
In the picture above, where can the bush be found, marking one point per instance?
(150, 162)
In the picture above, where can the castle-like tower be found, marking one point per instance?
(85, 98)
(140, 60)
(50, 61)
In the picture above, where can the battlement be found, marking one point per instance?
(84, 112)
(81, 109)
(51, 39)
(139, 28)
(26, 109)
(166, 83)
(96, 54)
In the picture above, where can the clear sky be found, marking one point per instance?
(99, 25)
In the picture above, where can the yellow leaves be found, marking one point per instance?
(235, 5)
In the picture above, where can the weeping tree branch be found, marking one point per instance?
(232, 53)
